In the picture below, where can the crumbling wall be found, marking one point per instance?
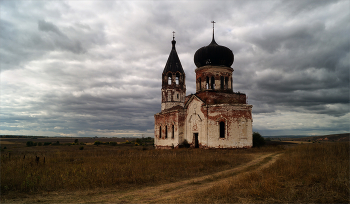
(238, 126)
(164, 121)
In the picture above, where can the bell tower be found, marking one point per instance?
(173, 81)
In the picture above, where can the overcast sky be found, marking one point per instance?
(93, 68)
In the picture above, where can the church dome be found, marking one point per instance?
(213, 54)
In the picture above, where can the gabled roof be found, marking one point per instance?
(191, 99)
(173, 64)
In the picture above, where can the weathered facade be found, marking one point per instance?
(213, 117)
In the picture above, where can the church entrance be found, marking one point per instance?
(196, 144)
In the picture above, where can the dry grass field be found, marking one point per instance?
(127, 173)
(307, 173)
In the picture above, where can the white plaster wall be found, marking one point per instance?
(195, 122)
(168, 141)
(238, 130)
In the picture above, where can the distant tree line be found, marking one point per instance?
(22, 136)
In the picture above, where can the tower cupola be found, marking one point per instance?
(214, 70)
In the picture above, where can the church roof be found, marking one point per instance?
(173, 64)
(213, 54)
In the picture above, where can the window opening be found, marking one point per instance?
(172, 132)
(160, 131)
(177, 96)
(222, 129)
(226, 82)
(222, 82)
(166, 132)
(212, 83)
(169, 79)
(177, 79)
(207, 84)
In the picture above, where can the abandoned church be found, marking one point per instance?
(215, 116)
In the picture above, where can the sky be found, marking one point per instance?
(93, 68)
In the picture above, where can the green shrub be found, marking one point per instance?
(113, 143)
(185, 144)
(97, 143)
(30, 143)
(81, 147)
(138, 140)
(47, 143)
(40, 144)
(258, 140)
(76, 141)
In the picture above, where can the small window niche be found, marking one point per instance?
(166, 132)
(172, 132)
(222, 129)
(160, 132)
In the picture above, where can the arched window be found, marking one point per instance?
(207, 84)
(166, 131)
(169, 79)
(222, 82)
(222, 129)
(226, 82)
(177, 78)
(212, 83)
(172, 132)
(160, 132)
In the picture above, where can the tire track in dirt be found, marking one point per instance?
(168, 192)
(165, 193)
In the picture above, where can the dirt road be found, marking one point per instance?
(162, 193)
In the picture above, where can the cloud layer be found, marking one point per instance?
(85, 68)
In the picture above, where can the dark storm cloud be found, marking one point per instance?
(94, 68)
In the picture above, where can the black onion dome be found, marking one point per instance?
(213, 54)
(173, 64)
